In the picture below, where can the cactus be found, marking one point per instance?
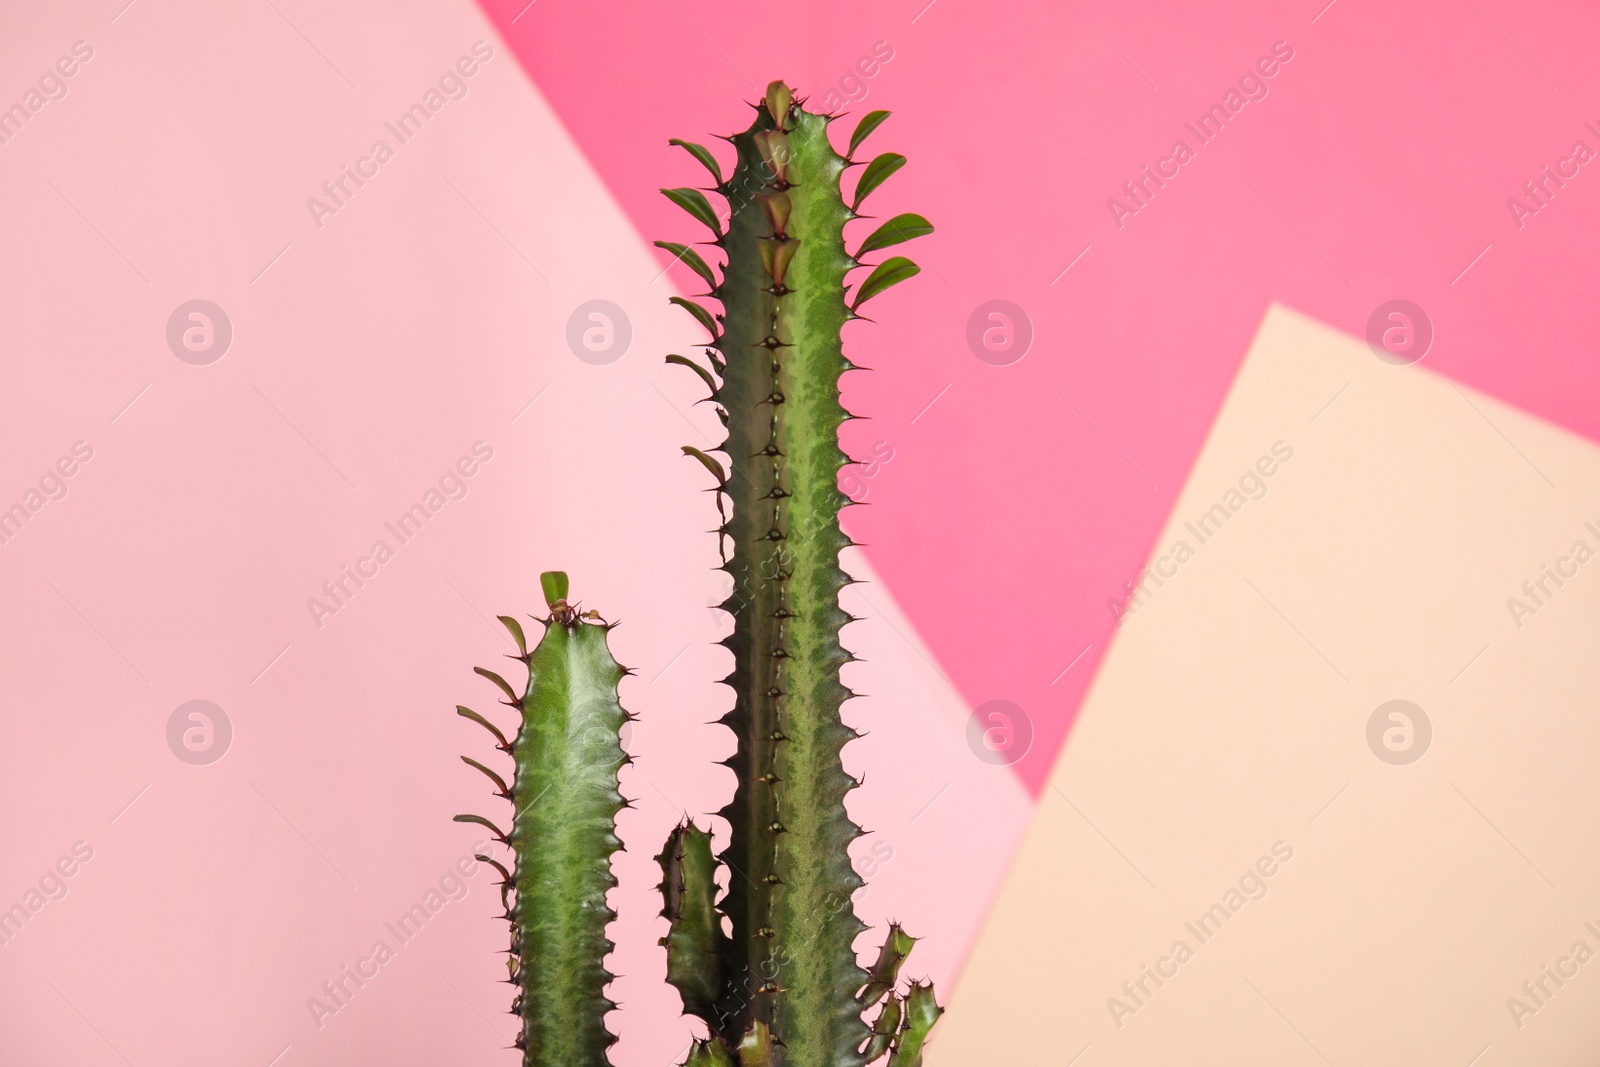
(770, 967)
(789, 991)
(566, 754)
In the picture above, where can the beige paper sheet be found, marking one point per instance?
(1232, 714)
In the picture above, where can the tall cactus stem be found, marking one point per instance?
(791, 986)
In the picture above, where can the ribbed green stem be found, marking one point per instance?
(792, 961)
(790, 984)
(921, 1012)
(563, 833)
(694, 942)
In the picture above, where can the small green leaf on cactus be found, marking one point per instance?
(869, 122)
(701, 315)
(695, 203)
(692, 258)
(699, 152)
(555, 587)
(755, 1048)
(515, 629)
(776, 207)
(776, 257)
(921, 1012)
(705, 375)
(710, 464)
(900, 228)
(504, 686)
(884, 1029)
(779, 96)
(886, 971)
(496, 864)
(891, 271)
(500, 783)
(481, 821)
(774, 149)
(876, 174)
(507, 883)
(500, 738)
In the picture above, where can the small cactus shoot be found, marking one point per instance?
(789, 989)
(565, 754)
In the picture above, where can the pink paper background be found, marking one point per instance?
(370, 353)
(1390, 142)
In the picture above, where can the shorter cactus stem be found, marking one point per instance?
(695, 940)
(884, 1029)
(564, 796)
(921, 1012)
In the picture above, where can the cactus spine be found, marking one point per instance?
(789, 991)
(566, 754)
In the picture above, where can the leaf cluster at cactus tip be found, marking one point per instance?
(565, 755)
(781, 985)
